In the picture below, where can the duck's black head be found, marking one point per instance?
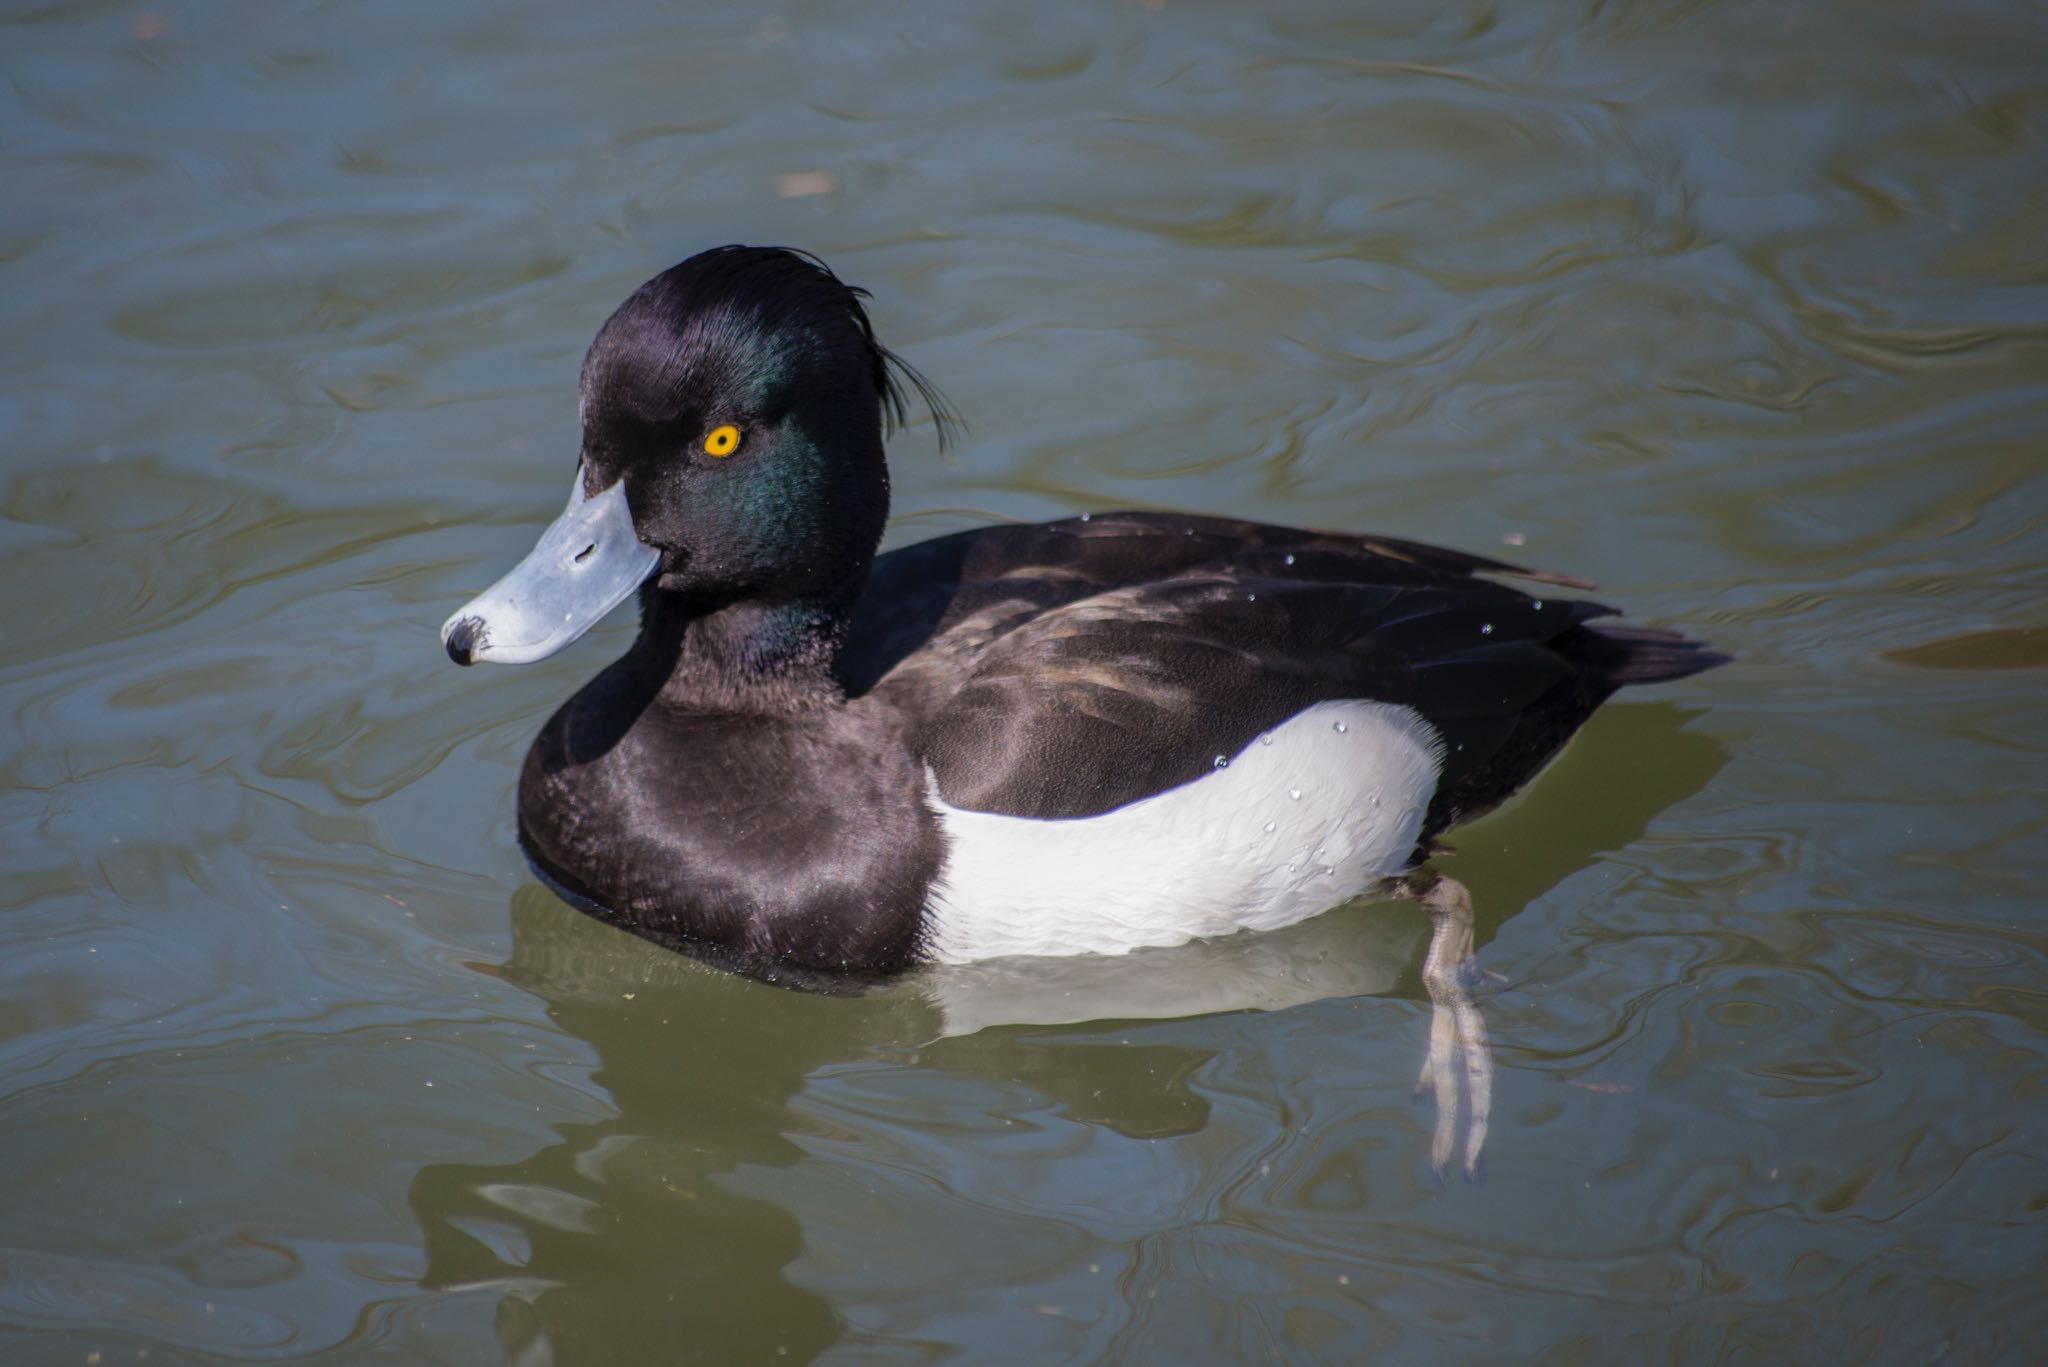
(733, 411)
(741, 397)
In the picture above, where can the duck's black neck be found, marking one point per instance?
(755, 656)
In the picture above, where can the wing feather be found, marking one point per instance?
(1065, 669)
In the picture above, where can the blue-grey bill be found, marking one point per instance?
(587, 562)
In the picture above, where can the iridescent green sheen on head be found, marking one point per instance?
(742, 396)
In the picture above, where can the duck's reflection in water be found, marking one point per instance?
(645, 1233)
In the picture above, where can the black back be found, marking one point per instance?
(1068, 668)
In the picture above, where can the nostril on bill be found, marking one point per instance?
(465, 638)
(585, 553)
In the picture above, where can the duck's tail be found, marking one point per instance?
(1620, 655)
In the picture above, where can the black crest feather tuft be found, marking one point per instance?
(895, 379)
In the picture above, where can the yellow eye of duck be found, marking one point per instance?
(722, 440)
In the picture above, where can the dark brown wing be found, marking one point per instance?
(1065, 669)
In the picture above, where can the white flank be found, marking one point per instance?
(1314, 811)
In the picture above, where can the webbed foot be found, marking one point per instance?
(1458, 1072)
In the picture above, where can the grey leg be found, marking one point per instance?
(1459, 1069)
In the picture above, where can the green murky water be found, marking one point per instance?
(1741, 310)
